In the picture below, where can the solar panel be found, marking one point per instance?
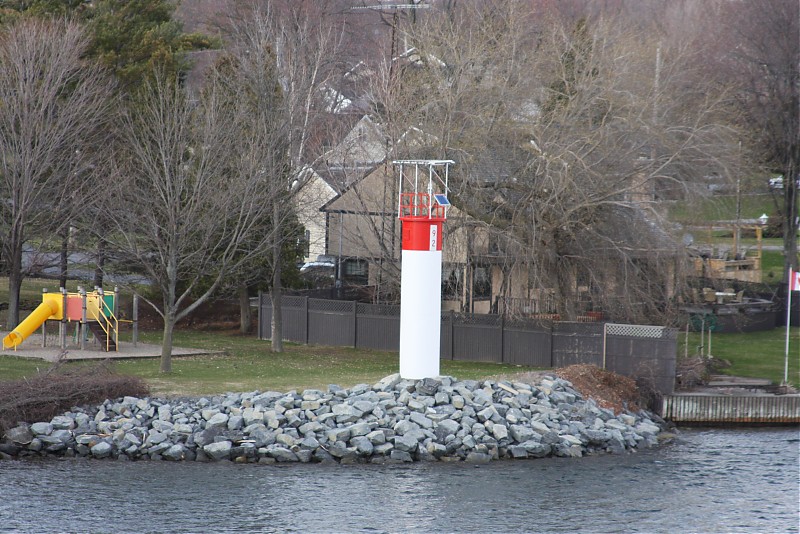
(441, 199)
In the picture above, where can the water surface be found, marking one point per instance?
(706, 481)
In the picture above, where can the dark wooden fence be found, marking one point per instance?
(646, 352)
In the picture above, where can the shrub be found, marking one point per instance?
(60, 388)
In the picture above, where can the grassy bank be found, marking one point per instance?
(243, 363)
(246, 364)
(754, 354)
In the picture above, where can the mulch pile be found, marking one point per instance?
(609, 390)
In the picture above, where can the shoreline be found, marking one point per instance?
(392, 421)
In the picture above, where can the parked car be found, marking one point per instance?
(777, 182)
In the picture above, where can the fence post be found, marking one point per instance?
(305, 315)
(44, 323)
(452, 335)
(83, 318)
(502, 338)
(258, 313)
(62, 328)
(135, 314)
(355, 324)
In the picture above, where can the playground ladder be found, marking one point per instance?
(105, 327)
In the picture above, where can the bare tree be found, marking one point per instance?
(566, 137)
(761, 42)
(54, 103)
(282, 55)
(182, 210)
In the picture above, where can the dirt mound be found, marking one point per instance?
(609, 390)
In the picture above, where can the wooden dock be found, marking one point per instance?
(718, 409)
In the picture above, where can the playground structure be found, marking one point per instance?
(94, 312)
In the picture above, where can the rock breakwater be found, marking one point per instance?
(393, 420)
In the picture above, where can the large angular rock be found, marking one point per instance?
(282, 455)
(286, 440)
(41, 429)
(219, 450)
(428, 386)
(362, 444)
(102, 450)
(62, 422)
(338, 434)
(478, 458)
(162, 426)
(536, 449)
(499, 432)
(364, 406)
(377, 437)
(405, 426)
(437, 450)
(420, 419)
(154, 438)
(175, 453)
(521, 433)
(446, 428)
(252, 416)
(21, 435)
(165, 412)
(309, 443)
(517, 451)
(360, 429)
(346, 413)
(218, 420)
(400, 456)
(406, 443)
(387, 383)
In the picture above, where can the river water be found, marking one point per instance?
(707, 480)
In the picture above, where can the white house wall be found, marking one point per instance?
(309, 199)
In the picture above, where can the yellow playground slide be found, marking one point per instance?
(33, 321)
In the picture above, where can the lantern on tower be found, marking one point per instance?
(422, 208)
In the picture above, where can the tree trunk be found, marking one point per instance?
(166, 343)
(277, 313)
(100, 263)
(245, 312)
(62, 265)
(14, 282)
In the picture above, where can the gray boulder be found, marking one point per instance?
(406, 443)
(21, 435)
(219, 450)
(218, 420)
(400, 456)
(362, 444)
(102, 450)
(62, 422)
(282, 455)
(40, 429)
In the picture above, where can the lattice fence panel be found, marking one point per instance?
(386, 310)
(635, 330)
(331, 306)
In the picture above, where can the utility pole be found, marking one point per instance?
(395, 10)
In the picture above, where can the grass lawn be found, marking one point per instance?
(754, 354)
(721, 208)
(247, 365)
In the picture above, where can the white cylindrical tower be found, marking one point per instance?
(422, 215)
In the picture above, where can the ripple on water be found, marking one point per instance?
(707, 481)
